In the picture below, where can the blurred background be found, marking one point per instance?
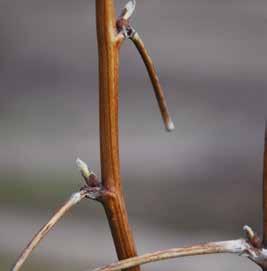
(199, 183)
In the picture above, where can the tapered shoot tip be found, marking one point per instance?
(83, 168)
(129, 9)
(248, 230)
(170, 126)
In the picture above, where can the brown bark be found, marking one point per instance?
(154, 80)
(108, 48)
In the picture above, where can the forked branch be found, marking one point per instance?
(109, 191)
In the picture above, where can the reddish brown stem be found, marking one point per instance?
(265, 191)
(154, 80)
(108, 48)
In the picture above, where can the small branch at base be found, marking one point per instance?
(74, 199)
(236, 246)
(240, 247)
(92, 190)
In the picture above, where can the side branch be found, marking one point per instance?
(74, 199)
(169, 125)
(250, 247)
(235, 246)
(92, 189)
(125, 28)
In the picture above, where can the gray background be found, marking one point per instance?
(199, 183)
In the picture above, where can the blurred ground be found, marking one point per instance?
(200, 183)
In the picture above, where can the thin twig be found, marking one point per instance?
(243, 247)
(134, 36)
(74, 199)
(234, 246)
(124, 27)
(265, 190)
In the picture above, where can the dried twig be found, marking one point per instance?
(169, 125)
(92, 190)
(74, 199)
(239, 247)
(124, 27)
(235, 246)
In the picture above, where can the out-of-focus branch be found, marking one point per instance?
(74, 199)
(250, 247)
(264, 189)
